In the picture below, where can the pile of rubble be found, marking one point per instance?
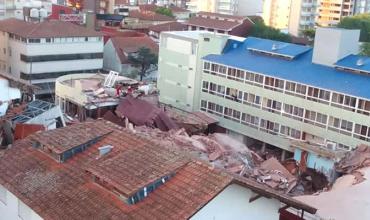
(223, 151)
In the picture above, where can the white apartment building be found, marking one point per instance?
(362, 6)
(290, 16)
(230, 7)
(41, 52)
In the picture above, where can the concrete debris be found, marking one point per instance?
(353, 160)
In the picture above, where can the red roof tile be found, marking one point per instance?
(67, 191)
(125, 45)
(218, 15)
(170, 26)
(52, 28)
(213, 23)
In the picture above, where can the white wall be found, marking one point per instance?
(6, 94)
(333, 44)
(111, 59)
(249, 7)
(233, 203)
(9, 208)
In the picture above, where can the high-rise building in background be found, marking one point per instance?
(230, 7)
(276, 13)
(332, 11)
(290, 16)
(362, 6)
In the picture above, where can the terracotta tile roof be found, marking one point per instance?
(66, 138)
(176, 9)
(170, 26)
(149, 16)
(213, 23)
(153, 7)
(218, 15)
(52, 28)
(135, 168)
(66, 191)
(125, 45)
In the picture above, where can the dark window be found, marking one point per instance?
(46, 58)
(53, 75)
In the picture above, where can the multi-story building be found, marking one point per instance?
(41, 52)
(302, 16)
(362, 6)
(278, 93)
(230, 7)
(290, 16)
(276, 13)
(332, 11)
(220, 23)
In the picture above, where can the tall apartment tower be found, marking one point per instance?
(362, 6)
(302, 16)
(276, 13)
(230, 7)
(291, 16)
(332, 11)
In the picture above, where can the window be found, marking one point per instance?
(340, 125)
(36, 40)
(48, 40)
(290, 132)
(252, 99)
(269, 127)
(316, 118)
(343, 101)
(3, 194)
(206, 67)
(363, 107)
(271, 105)
(249, 120)
(86, 39)
(232, 94)
(293, 112)
(362, 132)
(203, 105)
(205, 86)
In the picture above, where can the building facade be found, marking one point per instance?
(41, 52)
(332, 11)
(301, 98)
(362, 6)
(290, 16)
(229, 7)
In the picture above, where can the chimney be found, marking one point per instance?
(333, 44)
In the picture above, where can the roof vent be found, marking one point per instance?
(275, 47)
(104, 150)
(360, 62)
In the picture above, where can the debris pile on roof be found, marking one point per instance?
(353, 160)
(141, 112)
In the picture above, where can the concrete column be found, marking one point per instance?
(263, 149)
(283, 155)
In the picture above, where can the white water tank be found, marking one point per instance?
(43, 13)
(34, 13)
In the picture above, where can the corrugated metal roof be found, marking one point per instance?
(355, 62)
(301, 69)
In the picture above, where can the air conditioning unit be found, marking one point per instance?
(331, 145)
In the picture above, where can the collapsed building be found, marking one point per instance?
(101, 170)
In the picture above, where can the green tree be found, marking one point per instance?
(361, 21)
(365, 49)
(262, 31)
(309, 33)
(143, 59)
(164, 11)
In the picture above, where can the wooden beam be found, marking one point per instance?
(254, 198)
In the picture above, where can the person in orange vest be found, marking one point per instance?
(118, 89)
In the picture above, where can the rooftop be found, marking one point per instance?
(32, 110)
(213, 23)
(171, 26)
(300, 69)
(45, 185)
(126, 45)
(52, 28)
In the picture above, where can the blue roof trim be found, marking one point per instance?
(352, 62)
(301, 70)
(278, 48)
